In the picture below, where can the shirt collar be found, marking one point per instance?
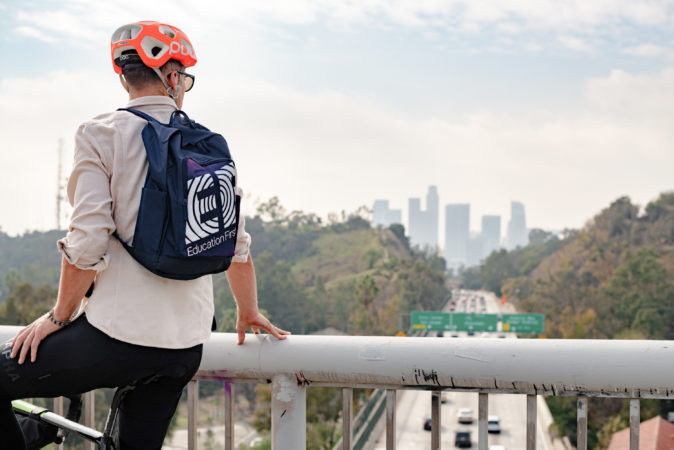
(152, 100)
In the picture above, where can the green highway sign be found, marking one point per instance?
(523, 323)
(429, 320)
(442, 321)
(476, 322)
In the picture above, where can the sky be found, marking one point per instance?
(330, 105)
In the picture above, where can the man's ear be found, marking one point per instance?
(172, 79)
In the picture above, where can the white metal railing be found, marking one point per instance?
(582, 368)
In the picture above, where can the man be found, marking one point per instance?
(136, 327)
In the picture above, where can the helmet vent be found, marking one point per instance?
(167, 31)
(154, 47)
(126, 32)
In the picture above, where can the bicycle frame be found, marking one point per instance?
(104, 440)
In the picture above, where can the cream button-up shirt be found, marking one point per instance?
(129, 303)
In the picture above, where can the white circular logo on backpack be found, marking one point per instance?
(211, 204)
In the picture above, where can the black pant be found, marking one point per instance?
(80, 358)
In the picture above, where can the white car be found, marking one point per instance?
(497, 447)
(465, 415)
(493, 424)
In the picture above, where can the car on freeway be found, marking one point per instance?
(455, 334)
(497, 447)
(462, 439)
(464, 415)
(493, 424)
(428, 424)
(441, 334)
(471, 333)
(501, 335)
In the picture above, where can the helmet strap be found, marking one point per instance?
(171, 92)
(124, 83)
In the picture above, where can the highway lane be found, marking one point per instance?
(415, 406)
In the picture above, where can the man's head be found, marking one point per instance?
(152, 57)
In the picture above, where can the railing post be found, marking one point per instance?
(89, 415)
(531, 421)
(635, 421)
(192, 410)
(435, 420)
(347, 418)
(482, 414)
(288, 413)
(229, 415)
(582, 423)
(58, 409)
(390, 419)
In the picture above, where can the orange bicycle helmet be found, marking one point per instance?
(154, 42)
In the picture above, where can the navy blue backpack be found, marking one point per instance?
(189, 212)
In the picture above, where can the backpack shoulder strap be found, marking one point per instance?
(141, 114)
(156, 137)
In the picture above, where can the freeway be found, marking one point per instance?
(414, 407)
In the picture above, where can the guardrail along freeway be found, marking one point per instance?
(582, 368)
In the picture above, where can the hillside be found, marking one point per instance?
(310, 275)
(30, 257)
(344, 275)
(613, 279)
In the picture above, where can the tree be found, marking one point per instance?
(272, 210)
(642, 295)
(399, 231)
(26, 303)
(280, 293)
(365, 317)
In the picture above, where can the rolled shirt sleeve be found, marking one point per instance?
(86, 244)
(243, 240)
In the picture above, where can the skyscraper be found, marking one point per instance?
(517, 227)
(491, 234)
(383, 216)
(414, 221)
(423, 224)
(431, 231)
(457, 233)
(474, 250)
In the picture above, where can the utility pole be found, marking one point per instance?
(59, 184)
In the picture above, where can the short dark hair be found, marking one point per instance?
(138, 75)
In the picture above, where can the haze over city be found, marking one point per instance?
(332, 105)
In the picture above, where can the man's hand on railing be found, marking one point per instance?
(255, 321)
(241, 277)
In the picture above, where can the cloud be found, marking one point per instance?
(650, 51)
(328, 150)
(634, 98)
(567, 22)
(574, 43)
(35, 34)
